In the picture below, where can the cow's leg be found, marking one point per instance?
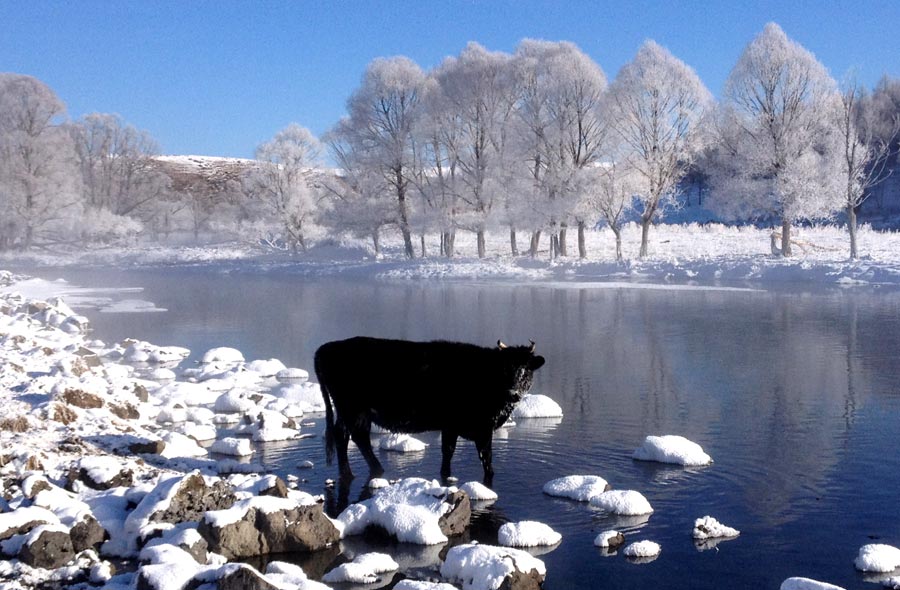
(483, 445)
(448, 446)
(360, 433)
(341, 442)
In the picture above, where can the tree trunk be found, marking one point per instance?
(404, 218)
(480, 240)
(851, 224)
(554, 245)
(618, 233)
(535, 242)
(786, 238)
(422, 244)
(582, 248)
(563, 250)
(512, 241)
(376, 241)
(645, 233)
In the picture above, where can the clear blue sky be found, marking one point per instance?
(220, 77)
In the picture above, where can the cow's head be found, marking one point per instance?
(519, 365)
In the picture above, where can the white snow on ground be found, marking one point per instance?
(642, 549)
(238, 447)
(623, 502)
(527, 533)
(710, 528)
(577, 487)
(798, 583)
(534, 405)
(672, 449)
(408, 509)
(690, 255)
(877, 557)
(484, 567)
(364, 569)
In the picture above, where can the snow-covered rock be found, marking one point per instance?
(710, 528)
(607, 539)
(642, 549)
(400, 443)
(877, 557)
(414, 510)
(477, 491)
(577, 487)
(534, 405)
(238, 447)
(623, 502)
(485, 567)
(527, 533)
(364, 569)
(222, 354)
(672, 449)
(798, 583)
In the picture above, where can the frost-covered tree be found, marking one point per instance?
(377, 137)
(656, 104)
(862, 156)
(559, 104)
(608, 189)
(38, 174)
(469, 117)
(773, 128)
(118, 173)
(283, 181)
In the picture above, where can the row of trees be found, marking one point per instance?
(538, 141)
(535, 143)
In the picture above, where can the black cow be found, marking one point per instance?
(457, 388)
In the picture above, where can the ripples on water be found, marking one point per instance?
(795, 395)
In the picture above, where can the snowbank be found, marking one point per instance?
(672, 449)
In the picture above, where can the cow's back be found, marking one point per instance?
(407, 386)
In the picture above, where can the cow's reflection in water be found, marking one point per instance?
(456, 388)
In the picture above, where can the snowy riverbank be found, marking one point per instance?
(711, 254)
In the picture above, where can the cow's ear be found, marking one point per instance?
(535, 363)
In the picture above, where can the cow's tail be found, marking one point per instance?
(329, 411)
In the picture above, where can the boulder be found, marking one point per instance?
(81, 399)
(266, 528)
(278, 489)
(23, 520)
(194, 498)
(231, 577)
(147, 447)
(456, 520)
(87, 534)
(47, 548)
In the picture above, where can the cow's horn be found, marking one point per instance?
(500, 345)
(532, 345)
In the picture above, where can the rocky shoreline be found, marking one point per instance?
(104, 460)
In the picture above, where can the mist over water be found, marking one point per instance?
(795, 395)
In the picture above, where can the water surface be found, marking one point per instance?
(793, 393)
